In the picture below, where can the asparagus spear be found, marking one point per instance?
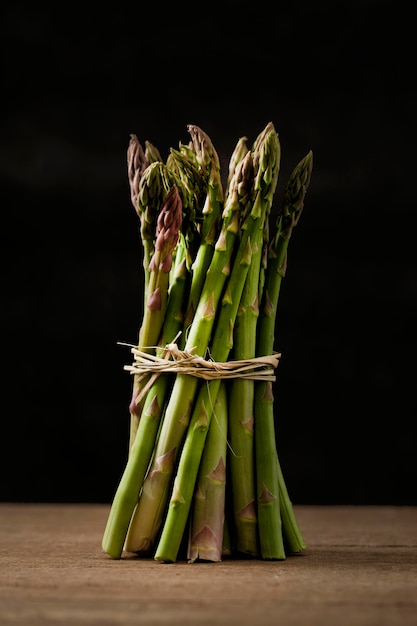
(265, 160)
(241, 421)
(207, 535)
(152, 187)
(274, 505)
(208, 160)
(241, 391)
(149, 512)
(193, 187)
(127, 492)
(167, 233)
(208, 511)
(238, 154)
(137, 162)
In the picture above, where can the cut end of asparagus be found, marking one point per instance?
(205, 546)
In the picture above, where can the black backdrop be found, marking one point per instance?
(332, 78)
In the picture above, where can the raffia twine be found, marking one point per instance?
(174, 360)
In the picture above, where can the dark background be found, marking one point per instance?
(334, 78)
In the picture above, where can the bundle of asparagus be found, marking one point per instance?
(203, 474)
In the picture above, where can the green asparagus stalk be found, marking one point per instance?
(137, 163)
(209, 534)
(167, 235)
(168, 227)
(208, 160)
(127, 493)
(241, 391)
(241, 420)
(148, 514)
(265, 160)
(193, 186)
(274, 505)
(238, 154)
(208, 512)
(152, 187)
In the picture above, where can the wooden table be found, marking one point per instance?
(359, 568)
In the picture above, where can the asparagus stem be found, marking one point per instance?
(268, 493)
(238, 154)
(207, 517)
(193, 184)
(292, 535)
(155, 189)
(137, 163)
(256, 211)
(147, 517)
(241, 391)
(240, 432)
(273, 500)
(127, 492)
(208, 160)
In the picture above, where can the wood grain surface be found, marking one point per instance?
(359, 568)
